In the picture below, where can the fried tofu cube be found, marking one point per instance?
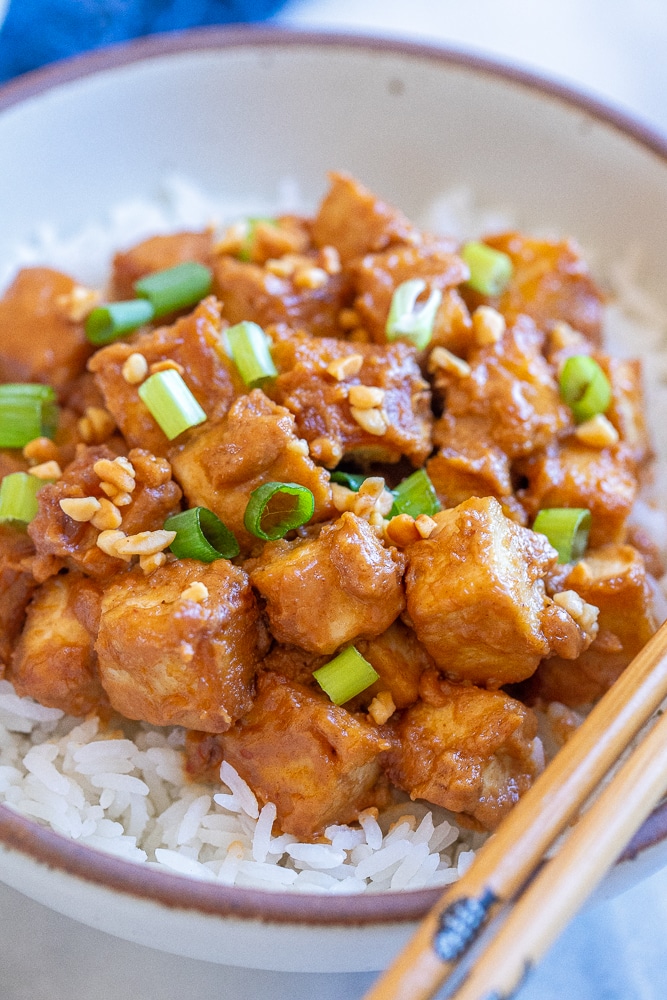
(158, 253)
(399, 659)
(38, 343)
(54, 660)
(16, 587)
(464, 748)
(466, 465)
(316, 761)
(254, 444)
(169, 659)
(627, 408)
(475, 594)
(345, 571)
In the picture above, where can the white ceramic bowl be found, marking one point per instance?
(237, 112)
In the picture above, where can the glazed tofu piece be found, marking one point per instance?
(511, 392)
(171, 653)
(627, 408)
(613, 579)
(54, 660)
(16, 587)
(323, 381)
(400, 660)
(254, 444)
(316, 761)
(466, 464)
(324, 592)
(190, 342)
(475, 594)
(61, 541)
(356, 222)
(38, 340)
(469, 750)
(551, 283)
(157, 254)
(574, 474)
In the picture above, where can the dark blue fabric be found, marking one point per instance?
(36, 32)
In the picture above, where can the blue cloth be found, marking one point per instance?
(36, 32)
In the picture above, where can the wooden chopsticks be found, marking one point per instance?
(507, 860)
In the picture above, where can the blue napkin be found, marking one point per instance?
(36, 32)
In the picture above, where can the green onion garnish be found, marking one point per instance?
(276, 508)
(352, 480)
(584, 387)
(112, 321)
(249, 348)
(176, 287)
(171, 403)
(567, 529)
(245, 253)
(200, 534)
(405, 320)
(27, 410)
(415, 495)
(490, 270)
(18, 497)
(346, 676)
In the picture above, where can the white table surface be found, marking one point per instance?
(616, 50)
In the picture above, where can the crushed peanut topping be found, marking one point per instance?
(366, 397)
(118, 473)
(135, 369)
(80, 508)
(440, 359)
(402, 530)
(382, 707)
(167, 364)
(348, 319)
(326, 450)
(233, 238)
(46, 470)
(196, 592)
(41, 449)
(330, 260)
(343, 499)
(342, 368)
(373, 487)
(145, 543)
(150, 563)
(488, 325)
(150, 469)
(372, 421)
(77, 304)
(585, 615)
(425, 525)
(310, 277)
(298, 447)
(598, 432)
(108, 517)
(563, 336)
(108, 541)
(96, 425)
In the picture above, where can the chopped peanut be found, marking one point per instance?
(425, 525)
(108, 541)
(382, 707)
(310, 277)
(342, 368)
(330, 260)
(78, 303)
(372, 487)
(135, 369)
(41, 449)
(348, 319)
(366, 397)
(585, 615)
(166, 365)
(372, 421)
(442, 359)
(402, 530)
(488, 325)
(107, 517)
(563, 335)
(46, 470)
(96, 425)
(343, 498)
(196, 592)
(326, 451)
(150, 563)
(598, 432)
(80, 508)
(144, 543)
(118, 473)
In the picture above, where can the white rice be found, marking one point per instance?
(128, 795)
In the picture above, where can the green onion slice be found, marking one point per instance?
(249, 348)
(406, 320)
(200, 534)
(114, 320)
(346, 676)
(27, 410)
(175, 288)
(170, 402)
(415, 495)
(490, 270)
(567, 529)
(276, 508)
(18, 497)
(584, 387)
(352, 480)
(245, 253)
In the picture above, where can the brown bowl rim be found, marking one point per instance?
(176, 892)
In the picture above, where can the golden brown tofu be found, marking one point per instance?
(475, 594)
(399, 659)
(512, 392)
(576, 475)
(316, 761)
(377, 276)
(190, 342)
(16, 586)
(169, 658)
(400, 422)
(54, 660)
(469, 750)
(157, 254)
(627, 404)
(551, 283)
(614, 579)
(61, 541)
(254, 444)
(356, 222)
(466, 465)
(38, 343)
(326, 591)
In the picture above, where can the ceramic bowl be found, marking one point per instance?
(237, 111)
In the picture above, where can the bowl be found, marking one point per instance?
(243, 113)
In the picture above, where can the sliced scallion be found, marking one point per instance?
(27, 410)
(415, 495)
(200, 534)
(406, 320)
(567, 529)
(352, 480)
(584, 387)
(116, 319)
(18, 497)
(249, 348)
(170, 402)
(276, 508)
(346, 676)
(490, 270)
(176, 287)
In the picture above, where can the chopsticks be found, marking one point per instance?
(507, 860)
